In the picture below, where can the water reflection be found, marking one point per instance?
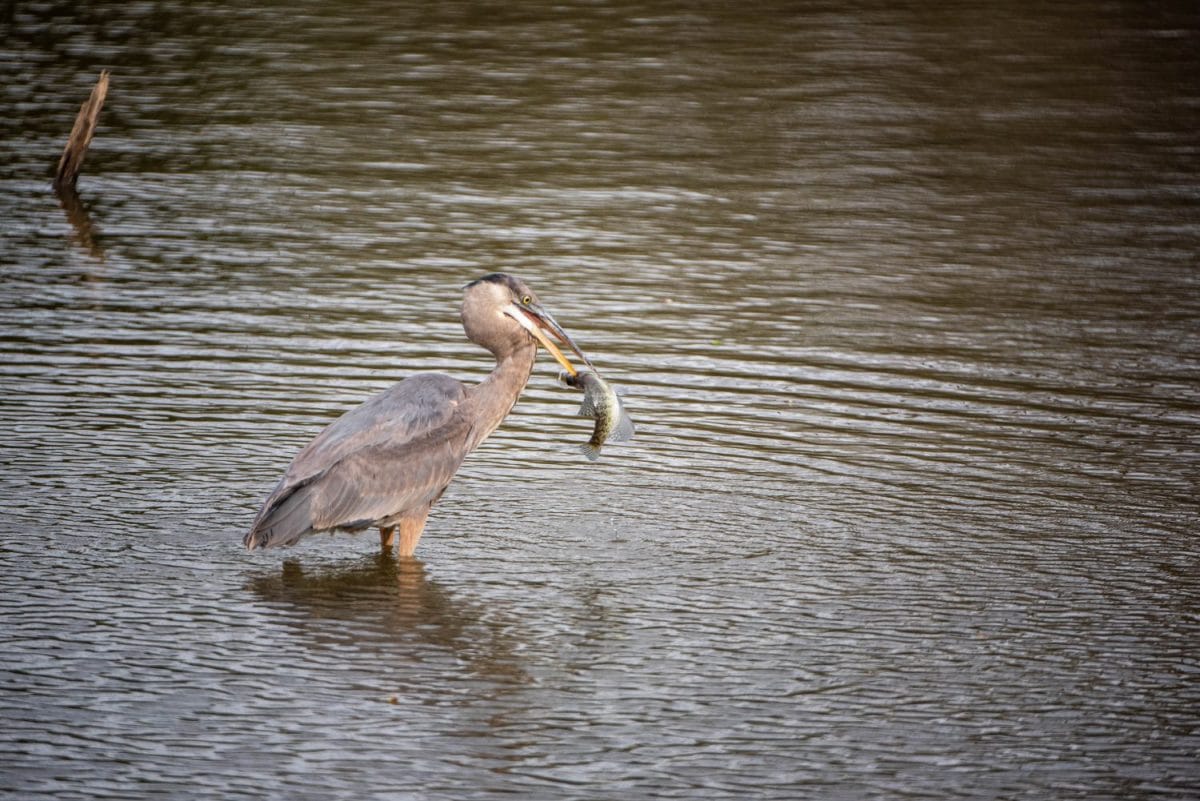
(84, 232)
(390, 605)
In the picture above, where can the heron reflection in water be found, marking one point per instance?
(385, 463)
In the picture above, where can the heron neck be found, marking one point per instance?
(495, 396)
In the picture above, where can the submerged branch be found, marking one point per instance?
(81, 137)
(72, 162)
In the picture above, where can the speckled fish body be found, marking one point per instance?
(601, 402)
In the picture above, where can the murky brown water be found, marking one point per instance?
(905, 301)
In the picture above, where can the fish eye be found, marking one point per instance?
(526, 300)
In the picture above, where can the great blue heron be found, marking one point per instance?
(385, 463)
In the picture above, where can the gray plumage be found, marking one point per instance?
(386, 462)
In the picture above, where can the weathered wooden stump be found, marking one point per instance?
(81, 137)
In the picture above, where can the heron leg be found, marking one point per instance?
(387, 537)
(410, 531)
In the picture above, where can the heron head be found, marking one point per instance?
(492, 303)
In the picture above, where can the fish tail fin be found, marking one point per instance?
(592, 452)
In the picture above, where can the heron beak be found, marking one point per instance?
(537, 321)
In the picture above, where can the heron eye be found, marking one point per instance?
(526, 300)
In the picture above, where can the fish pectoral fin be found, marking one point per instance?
(623, 431)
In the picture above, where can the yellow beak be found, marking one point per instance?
(538, 321)
(554, 351)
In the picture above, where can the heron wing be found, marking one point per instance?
(405, 411)
(396, 451)
(379, 482)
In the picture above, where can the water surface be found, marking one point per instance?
(904, 301)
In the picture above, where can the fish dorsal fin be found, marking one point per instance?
(623, 430)
(587, 409)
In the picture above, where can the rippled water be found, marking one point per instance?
(905, 302)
